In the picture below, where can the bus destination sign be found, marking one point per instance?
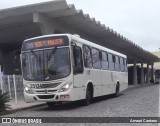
(45, 42)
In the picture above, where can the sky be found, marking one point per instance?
(137, 20)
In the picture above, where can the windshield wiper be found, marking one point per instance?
(35, 55)
(52, 53)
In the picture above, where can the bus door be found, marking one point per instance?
(78, 69)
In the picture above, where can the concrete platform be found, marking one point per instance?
(23, 105)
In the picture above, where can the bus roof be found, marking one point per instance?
(81, 40)
(43, 36)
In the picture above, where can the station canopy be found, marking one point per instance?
(18, 23)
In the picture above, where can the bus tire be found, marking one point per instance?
(89, 96)
(117, 91)
(51, 104)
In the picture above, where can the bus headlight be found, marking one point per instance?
(65, 87)
(28, 90)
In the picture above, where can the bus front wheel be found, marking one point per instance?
(88, 98)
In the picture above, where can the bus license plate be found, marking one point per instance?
(36, 86)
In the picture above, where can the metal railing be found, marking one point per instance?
(13, 84)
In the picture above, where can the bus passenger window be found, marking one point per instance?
(78, 62)
(96, 58)
(125, 64)
(111, 61)
(87, 56)
(117, 65)
(104, 61)
(122, 66)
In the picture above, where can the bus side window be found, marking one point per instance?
(122, 64)
(104, 61)
(96, 58)
(125, 65)
(87, 56)
(111, 60)
(117, 68)
(78, 62)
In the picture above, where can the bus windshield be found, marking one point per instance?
(48, 64)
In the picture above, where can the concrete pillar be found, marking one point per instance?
(45, 23)
(1, 57)
(135, 81)
(1, 60)
(147, 74)
(142, 74)
(152, 74)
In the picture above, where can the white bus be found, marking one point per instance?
(63, 67)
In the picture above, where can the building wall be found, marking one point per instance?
(157, 64)
(8, 65)
(10, 59)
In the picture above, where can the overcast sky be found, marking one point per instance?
(138, 20)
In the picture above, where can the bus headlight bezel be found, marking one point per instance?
(65, 87)
(28, 90)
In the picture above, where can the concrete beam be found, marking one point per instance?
(45, 23)
(48, 25)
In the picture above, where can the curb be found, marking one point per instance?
(140, 85)
(10, 111)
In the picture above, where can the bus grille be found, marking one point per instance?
(50, 85)
(43, 91)
(40, 86)
(45, 96)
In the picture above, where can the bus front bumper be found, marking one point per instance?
(55, 97)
